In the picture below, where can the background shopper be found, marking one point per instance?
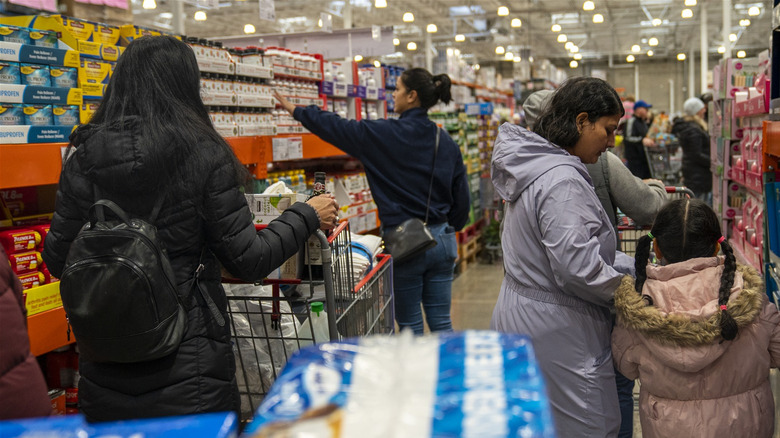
(152, 137)
(398, 157)
(697, 331)
(635, 140)
(691, 132)
(616, 188)
(22, 388)
(559, 249)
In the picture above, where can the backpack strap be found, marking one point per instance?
(203, 293)
(100, 212)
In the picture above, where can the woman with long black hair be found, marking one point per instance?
(152, 138)
(401, 165)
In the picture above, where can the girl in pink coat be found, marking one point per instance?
(698, 332)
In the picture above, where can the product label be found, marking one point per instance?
(9, 73)
(64, 77)
(38, 115)
(66, 114)
(25, 262)
(11, 114)
(35, 74)
(31, 280)
(44, 38)
(13, 34)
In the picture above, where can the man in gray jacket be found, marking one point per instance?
(616, 187)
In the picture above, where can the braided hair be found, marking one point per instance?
(686, 229)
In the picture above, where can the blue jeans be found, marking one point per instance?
(625, 388)
(427, 279)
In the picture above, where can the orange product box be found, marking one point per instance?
(20, 240)
(31, 280)
(57, 397)
(25, 262)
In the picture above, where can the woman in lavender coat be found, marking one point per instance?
(561, 263)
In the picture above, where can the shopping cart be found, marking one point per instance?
(268, 326)
(629, 232)
(665, 161)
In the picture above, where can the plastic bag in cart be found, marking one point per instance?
(469, 384)
(261, 349)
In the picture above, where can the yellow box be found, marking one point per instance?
(43, 298)
(80, 29)
(128, 33)
(87, 109)
(94, 72)
(94, 49)
(106, 34)
(92, 90)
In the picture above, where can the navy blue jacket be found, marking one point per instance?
(398, 155)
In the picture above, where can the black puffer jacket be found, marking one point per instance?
(200, 376)
(695, 143)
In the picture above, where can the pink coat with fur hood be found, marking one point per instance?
(692, 382)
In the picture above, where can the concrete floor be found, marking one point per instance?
(474, 295)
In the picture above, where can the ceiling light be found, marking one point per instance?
(690, 2)
(509, 56)
(411, 46)
(598, 18)
(722, 49)
(517, 59)
(396, 41)
(630, 58)
(457, 52)
(319, 22)
(568, 45)
(653, 41)
(200, 16)
(377, 64)
(516, 22)
(562, 38)
(578, 56)
(380, 4)
(754, 11)
(744, 22)
(588, 6)
(687, 13)
(432, 28)
(503, 11)
(650, 53)
(681, 56)
(248, 28)
(149, 4)
(575, 49)
(500, 50)
(635, 48)
(476, 66)
(733, 37)
(358, 58)
(741, 54)
(657, 22)
(556, 28)
(408, 17)
(460, 38)
(574, 64)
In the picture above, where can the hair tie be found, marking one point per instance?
(650, 235)
(723, 307)
(722, 239)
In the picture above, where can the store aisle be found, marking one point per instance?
(474, 294)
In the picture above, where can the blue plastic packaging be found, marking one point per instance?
(11, 114)
(468, 384)
(14, 34)
(38, 115)
(64, 77)
(65, 114)
(68, 426)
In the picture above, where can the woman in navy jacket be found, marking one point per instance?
(398, 155)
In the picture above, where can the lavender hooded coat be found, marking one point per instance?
(561, 274)
(692, 382)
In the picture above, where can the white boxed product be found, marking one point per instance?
(266, 208)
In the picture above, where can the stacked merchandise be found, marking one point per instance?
(24, 246)
(391, 73)
(354, 91)
(61, 369)
(735, 151)
(39, 94)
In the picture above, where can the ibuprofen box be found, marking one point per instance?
(9, 73)
(64, 77)
(11, 114)
(38, 115)
(65, 114)
(35, 74)
(14, 34)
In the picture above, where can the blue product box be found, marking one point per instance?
(216, 425)
(11, 114)
(66, 114)
(64, 77)
(38, 115)
(35, 74)
(44, 38)
(68, 426)
(9, 73)
(14, 34)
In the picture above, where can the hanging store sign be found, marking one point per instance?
(267, 10)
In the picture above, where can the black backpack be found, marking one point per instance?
(119, 290)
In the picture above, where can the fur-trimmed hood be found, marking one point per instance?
(685, 312)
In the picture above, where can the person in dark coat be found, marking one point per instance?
(398, 155)
(635, 140)
(691, 132)
(22, 387)
(152, 137)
